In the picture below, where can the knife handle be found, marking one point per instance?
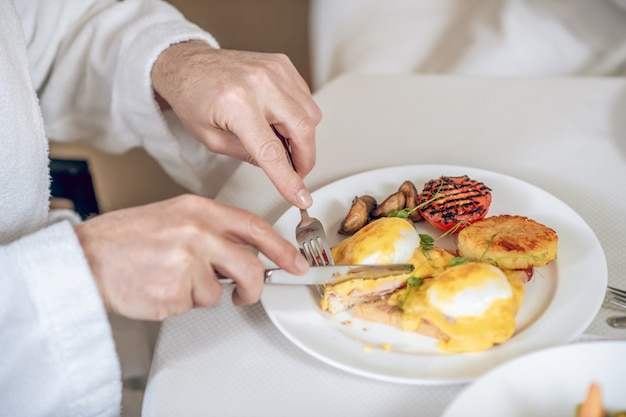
(617, 322)
(224, 280)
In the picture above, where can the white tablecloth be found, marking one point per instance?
(567, 136)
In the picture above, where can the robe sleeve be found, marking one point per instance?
(57, 350)
(96, 86)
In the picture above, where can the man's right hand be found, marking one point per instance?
(228, 100)
(158, 260)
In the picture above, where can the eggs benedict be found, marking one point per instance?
(469, 307)
(468, 300)
(387, 240)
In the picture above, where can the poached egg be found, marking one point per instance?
(388, 240)
(473, 306)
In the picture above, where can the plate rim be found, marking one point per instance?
(475, 173)
(490, 378)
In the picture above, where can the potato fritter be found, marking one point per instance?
(511, 242)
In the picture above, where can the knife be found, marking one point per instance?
(330, 274)
(617, 322)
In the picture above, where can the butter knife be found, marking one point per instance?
(331, 274)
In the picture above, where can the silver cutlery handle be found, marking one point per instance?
(228, 281)
(618, 322)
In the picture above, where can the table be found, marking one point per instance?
(565, 135)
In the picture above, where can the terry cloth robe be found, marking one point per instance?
(74, 70)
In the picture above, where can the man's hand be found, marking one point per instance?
(159, 260)
(229, 100)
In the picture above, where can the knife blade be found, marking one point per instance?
(331, 274)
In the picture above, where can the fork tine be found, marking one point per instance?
(616, 296)
(316, 257)
(316, 253)
(320, 251)
(325, 253)
(309, 253)
(312, 240)
(616, 291)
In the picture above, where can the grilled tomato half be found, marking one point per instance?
(448, 202)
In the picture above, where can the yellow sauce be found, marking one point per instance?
(465, 333)
(381, 239)
(461, 333)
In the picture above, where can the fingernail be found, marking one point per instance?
(304, 198)
(301, 263)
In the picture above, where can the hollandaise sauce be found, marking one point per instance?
(387, 240)
(471, 305)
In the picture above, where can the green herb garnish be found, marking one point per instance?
(488, 246)
(426, 241)
(458, 260)
(412, 284)
(406, 212)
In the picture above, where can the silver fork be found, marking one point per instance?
(312, 240)
(616, 296)
(310, 233)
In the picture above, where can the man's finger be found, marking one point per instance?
(271, 156)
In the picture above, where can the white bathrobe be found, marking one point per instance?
(74, 70)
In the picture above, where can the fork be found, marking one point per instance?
(616, 296)
(310, 233)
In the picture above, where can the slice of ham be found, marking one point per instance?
(341, 297)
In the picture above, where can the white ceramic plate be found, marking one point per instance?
(560, 302)
(551, 382)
